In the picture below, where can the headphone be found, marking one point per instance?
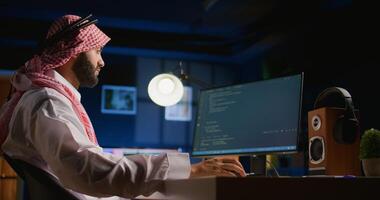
(347, 125)
(65, 32)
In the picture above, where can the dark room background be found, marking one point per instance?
(221, 43)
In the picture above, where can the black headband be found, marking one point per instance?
(336, 97)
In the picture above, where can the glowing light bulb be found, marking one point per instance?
(166, 86)
(165, 89)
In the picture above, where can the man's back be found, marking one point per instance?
(19, 142)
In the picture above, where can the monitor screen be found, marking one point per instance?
(251, 118)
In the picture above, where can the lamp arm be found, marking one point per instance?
(198, 82)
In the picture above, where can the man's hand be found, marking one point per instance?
(218, 166)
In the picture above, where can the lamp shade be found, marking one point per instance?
(165, 89)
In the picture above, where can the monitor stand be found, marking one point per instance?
(258, 165)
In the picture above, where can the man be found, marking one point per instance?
(45, 124)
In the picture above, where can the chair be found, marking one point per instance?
(40, 184)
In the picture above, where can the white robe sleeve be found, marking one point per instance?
(80, 165)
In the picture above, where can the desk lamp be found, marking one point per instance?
(166, 89)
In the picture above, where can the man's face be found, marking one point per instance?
(87, 67)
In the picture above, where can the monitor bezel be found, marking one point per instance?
(282, 152)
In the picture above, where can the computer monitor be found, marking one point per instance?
(252, 118)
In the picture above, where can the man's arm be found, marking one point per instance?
(81, 165)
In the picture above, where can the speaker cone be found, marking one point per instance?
(316, 150)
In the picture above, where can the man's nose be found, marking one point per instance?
(101, 63)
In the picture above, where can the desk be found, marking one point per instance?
(293, 188)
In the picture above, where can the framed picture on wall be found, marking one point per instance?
(118, 100)
(183, 109)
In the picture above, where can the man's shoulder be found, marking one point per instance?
(43, 93)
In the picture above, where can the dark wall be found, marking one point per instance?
(327, 53)
(331, 51)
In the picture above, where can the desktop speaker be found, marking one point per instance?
(334, 135)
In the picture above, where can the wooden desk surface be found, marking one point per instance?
(294, 188)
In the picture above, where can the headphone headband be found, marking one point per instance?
(336, 97)
(69, 29)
